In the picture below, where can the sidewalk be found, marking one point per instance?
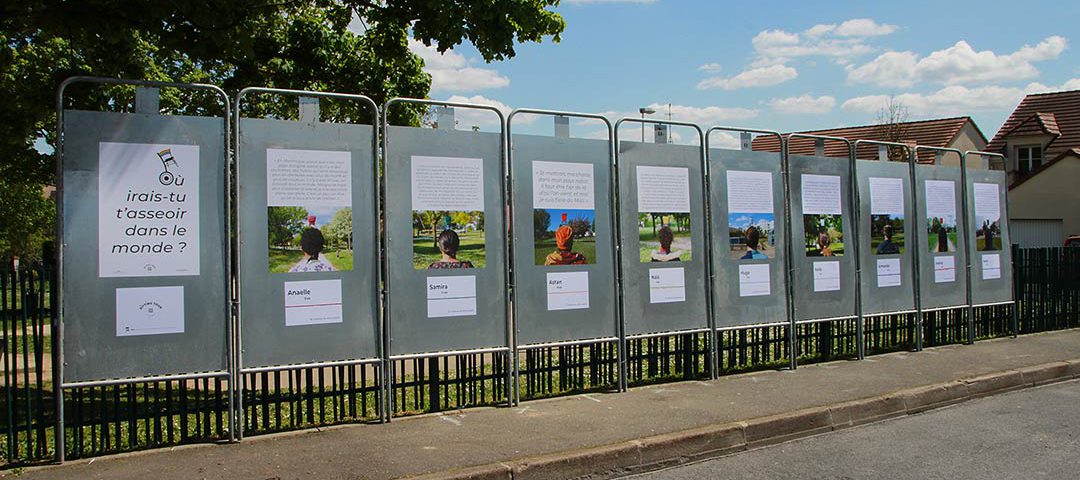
(598, 433)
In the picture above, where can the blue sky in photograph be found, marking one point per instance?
(556, 216)
(775, 64)
(744, 220)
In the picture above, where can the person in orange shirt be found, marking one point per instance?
(564, 255)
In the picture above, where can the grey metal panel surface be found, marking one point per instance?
(1037, 232)
(885, 299)
(639, 315)
(411, 331)
(729, 308)
(990, 290)
(932, 293)
(532, 319)
(811, 305)
(266, 340)
(91, 348)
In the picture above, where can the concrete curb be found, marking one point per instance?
(654, 452)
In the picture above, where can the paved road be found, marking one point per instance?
(1033, 433)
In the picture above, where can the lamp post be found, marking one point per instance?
(644, 111)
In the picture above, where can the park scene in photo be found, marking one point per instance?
(987, 233)
(564, 236)
(309, 239)
(448, 239)
(941, 234)
(824, 235)
(664, 237)
(758, 229)
(886, 234)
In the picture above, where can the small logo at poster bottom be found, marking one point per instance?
(150, 309)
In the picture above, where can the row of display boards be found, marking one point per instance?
(609, 239)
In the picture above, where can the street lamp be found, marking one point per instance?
(644, 111)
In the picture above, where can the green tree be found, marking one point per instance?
(339, 231)
(298, 44)
(284, 223)
(28, 219)
(541, 219)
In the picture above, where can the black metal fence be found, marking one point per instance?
(132, 416)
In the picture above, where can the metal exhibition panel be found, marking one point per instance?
(747, 190)
(317, 178)
(461, 172)
(823, 261)
(660, 186)
(991, 265)
(887, 263)
(569, 294)
(144, 245)
(942, 262)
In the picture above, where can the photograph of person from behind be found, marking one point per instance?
(311, 244)
(564, 253)
(664, 253)
(448, 242)
(753, 237)
(887, 247)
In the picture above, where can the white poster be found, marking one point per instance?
(447, 184)
(149, 311)
(944, 269)
(563, 185)
(888, 272)
(148, 210)
(749, 192)
(754, 280)
(313, 302)
(663, 189)
(941, 199)
(568, 291)
(987, 204)
(826, 276)
(308, 178)
(667, 285)
(886, 196)
(991, 266)
(821, 194)
(451, 296)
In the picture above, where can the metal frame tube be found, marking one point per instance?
(853, 194)
(912, 160)
(968, 308)
(507, 251)
(612, 211)
(281, 92)
(57, 326)
(1008, 228)
(704, 165)
(788, 288)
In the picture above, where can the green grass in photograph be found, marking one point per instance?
(471, 248)
(585, 246)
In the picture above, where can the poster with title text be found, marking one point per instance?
(148, 210)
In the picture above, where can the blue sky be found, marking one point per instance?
(783, 65)
(556, 217)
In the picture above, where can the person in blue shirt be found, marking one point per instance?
(887, 247)
(753, 237)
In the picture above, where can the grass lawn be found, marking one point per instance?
(471, 249)
(584, 246)
(932, 238)
(980, 243)
(836, 247)
(283, 260)
(898, 239)
(649, 243)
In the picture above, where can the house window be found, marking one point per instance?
(1028, 159)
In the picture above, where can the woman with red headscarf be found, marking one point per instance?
(564, 240)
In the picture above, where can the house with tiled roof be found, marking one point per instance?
(1041, 142)
(958, 132)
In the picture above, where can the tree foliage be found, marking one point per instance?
(340, 231)
(27, 218)
(284, 224)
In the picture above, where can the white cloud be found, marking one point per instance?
(466, 118)
(755, 77)
(958, 64)
(863, 27)
(451, 72)
(710, 68)
(803, 104)
(956, 99)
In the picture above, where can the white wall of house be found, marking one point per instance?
(1052, 194)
